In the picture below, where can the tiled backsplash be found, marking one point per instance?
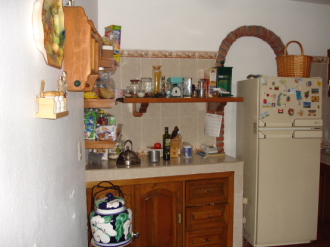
(148, 129)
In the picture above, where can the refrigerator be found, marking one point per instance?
(279, 131)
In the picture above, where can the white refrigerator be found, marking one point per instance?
(279, 130)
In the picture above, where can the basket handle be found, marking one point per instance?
(294, 41)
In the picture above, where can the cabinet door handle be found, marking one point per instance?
(179, 218)
(207, 240)
(207, 191)
(136, 235)
(209, 217)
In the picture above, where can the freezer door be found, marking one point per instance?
(282, 100)
(288, 180)
(290, 133)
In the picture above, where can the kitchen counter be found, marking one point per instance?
(108, 170)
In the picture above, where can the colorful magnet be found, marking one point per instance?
(282, 81)
(265, 114)
(298, 95)
(309, 83)
(315, 98)
(291, 90)
(312, 113)
(288, 99)
(298, 80)
(280, 111)
(273, 83)
(306, 95)
(277, 88)
(264, 81)
(307, 104)
(319, 83)
(300, 113)
(291, 111)
(315, 91)
(273, 105)
(279, 99)
(273, 97)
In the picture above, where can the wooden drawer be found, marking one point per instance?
(207, 217)
(214, 238)
(207, 191)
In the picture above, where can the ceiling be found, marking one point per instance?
(327, 2)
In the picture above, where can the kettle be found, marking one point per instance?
(128, 157)
(111, 221)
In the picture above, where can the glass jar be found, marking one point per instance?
(147, 85)
(157, 77)
(135, 86)
(105, 79)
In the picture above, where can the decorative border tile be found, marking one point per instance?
(169, 54)
(319, 59)
(190, 55)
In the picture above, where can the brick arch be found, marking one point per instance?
(266, 35)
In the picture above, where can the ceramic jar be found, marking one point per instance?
(111, 221)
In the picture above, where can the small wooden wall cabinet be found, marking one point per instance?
(176, 211)
(82, 51)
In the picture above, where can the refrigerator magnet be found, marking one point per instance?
(264, 115)
(280, 111)
(279, 99)
(273, 83)
(288, 98)
(315, 98)
(282, 81)
(291, 111)
(300, 113)
(306, 95)
(277, 88)
(298, 95)
(298, 80)
(312, 113)
(309, 83)
(315, 90)
(307, 104)
(319, 83)
(291, 90)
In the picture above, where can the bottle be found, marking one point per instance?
(166, 145)
(102, 120)
(156, 77)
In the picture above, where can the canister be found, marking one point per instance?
(187, 149)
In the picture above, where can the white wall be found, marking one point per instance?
(201, 25)
(42, 183)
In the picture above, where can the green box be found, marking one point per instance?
(224, 78)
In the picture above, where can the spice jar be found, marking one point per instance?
(157, 77)
(135, 86)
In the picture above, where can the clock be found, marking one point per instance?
(176, 91)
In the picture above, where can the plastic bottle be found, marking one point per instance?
(166, 145)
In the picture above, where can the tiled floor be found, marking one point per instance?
(322, 241)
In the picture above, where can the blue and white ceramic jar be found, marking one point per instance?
(111, 222)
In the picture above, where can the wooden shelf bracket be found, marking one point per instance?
(139, 109)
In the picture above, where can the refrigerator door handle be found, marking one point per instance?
(307, 134)
(272, 135)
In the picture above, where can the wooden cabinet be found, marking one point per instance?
(207, 210)
(324, 200)
(188, 210)
(158, 214)
(82, 51)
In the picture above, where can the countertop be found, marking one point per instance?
(108, 170)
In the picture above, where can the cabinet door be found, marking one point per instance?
(158, 214)
(324, 200)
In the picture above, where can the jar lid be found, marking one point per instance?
(49, 94)
(107, 47)
(135, 80)
(110, 205)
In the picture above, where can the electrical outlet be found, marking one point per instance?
(79, 151)
(245, 200)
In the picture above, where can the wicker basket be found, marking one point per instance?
(293, 65)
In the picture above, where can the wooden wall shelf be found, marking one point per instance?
(46, 109)
(100, 144)
(215, 104)
(99, 103)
